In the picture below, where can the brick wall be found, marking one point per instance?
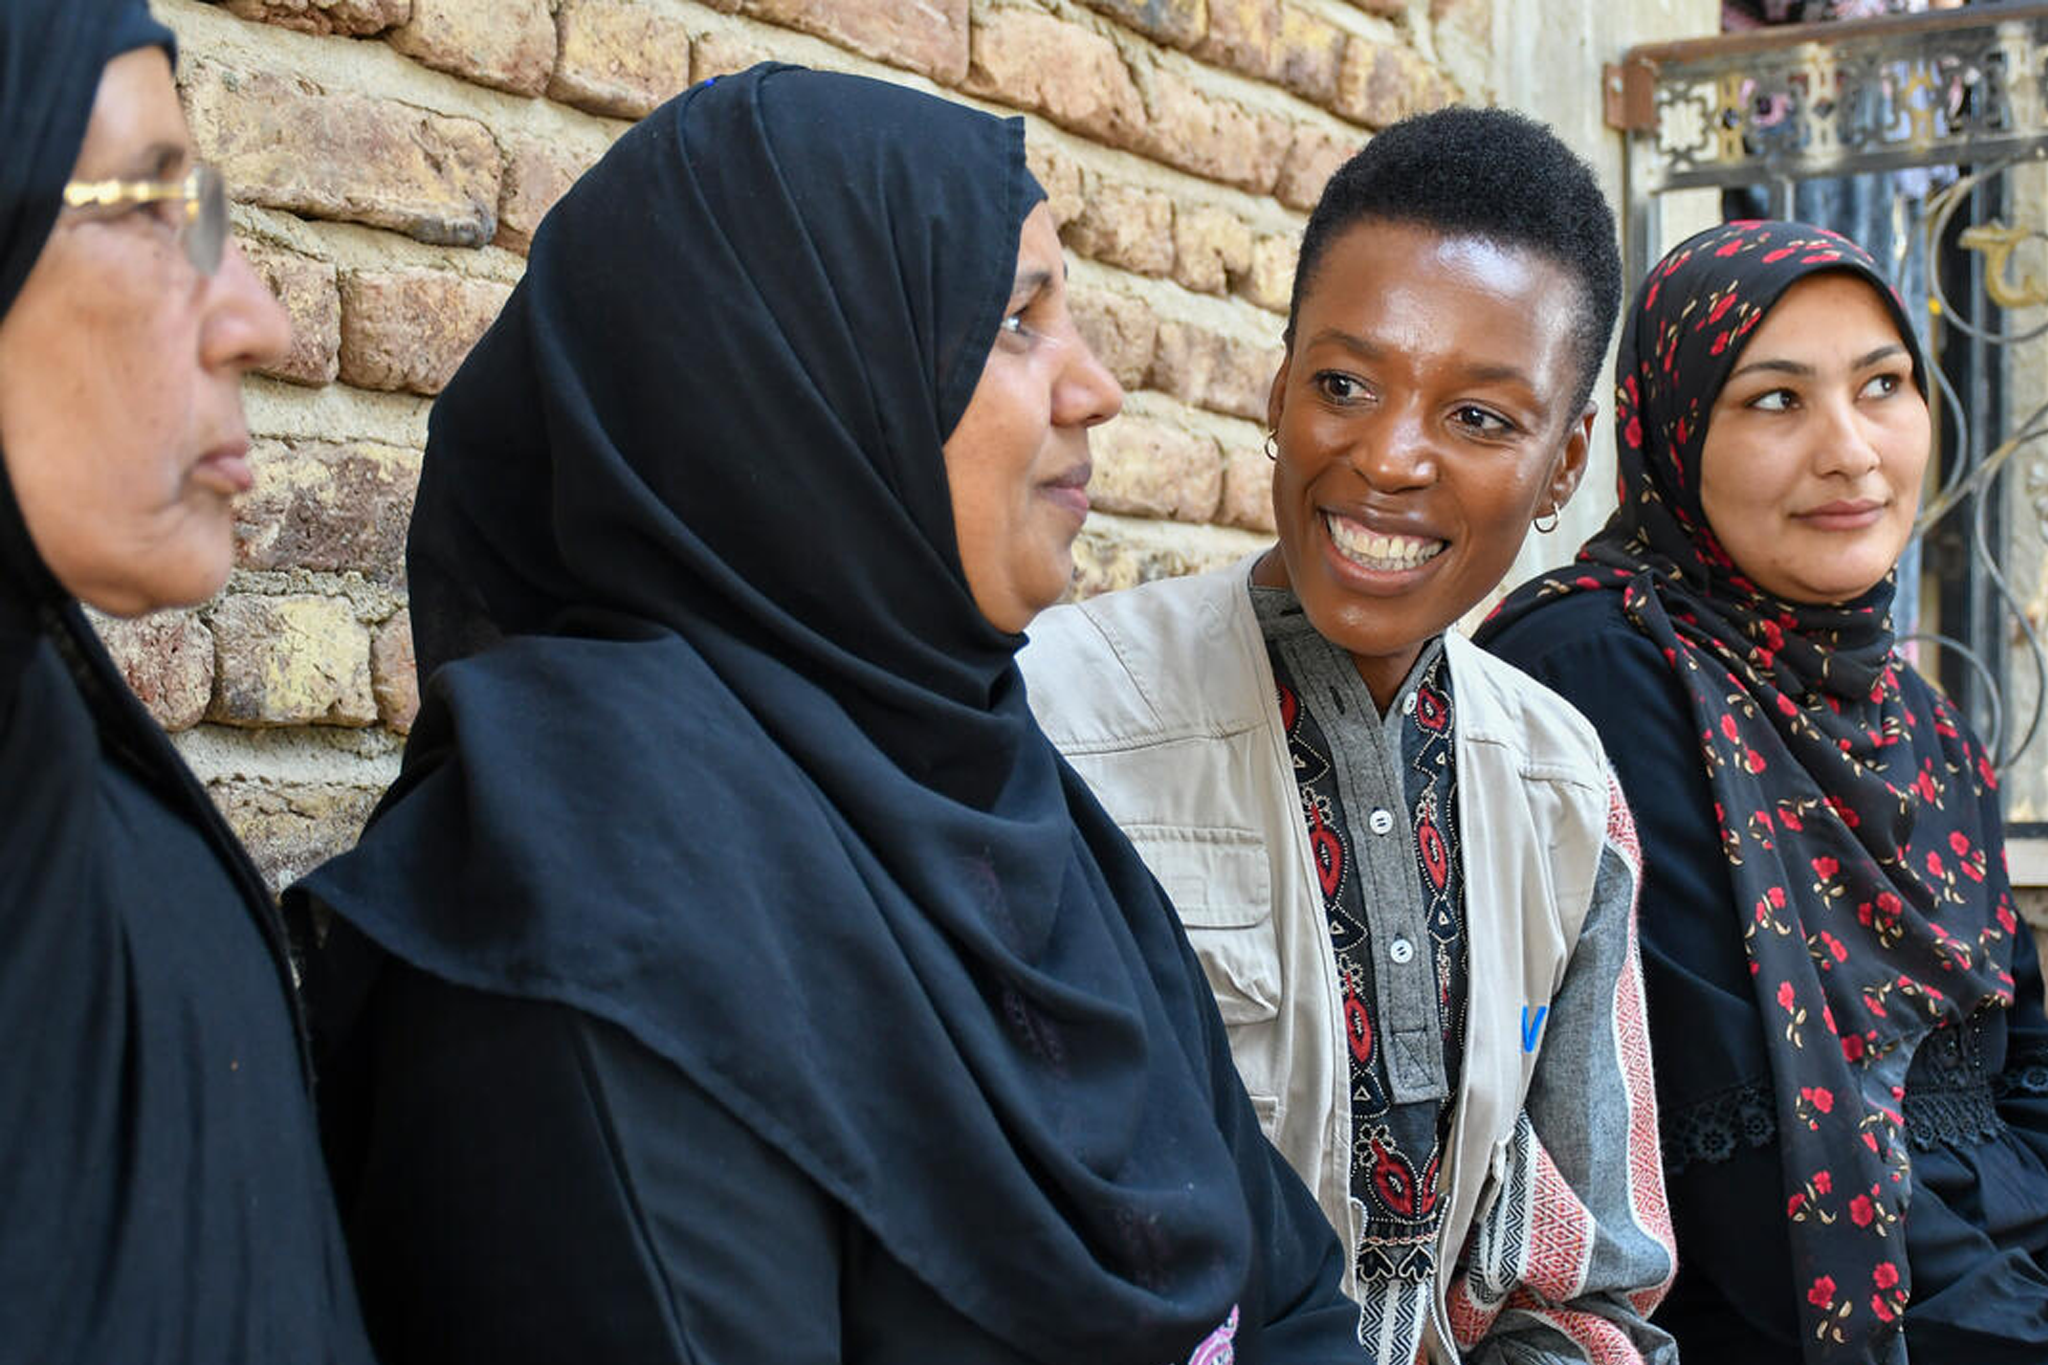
(390, 159)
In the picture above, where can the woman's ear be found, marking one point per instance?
(1571, 459)
(1276, 394)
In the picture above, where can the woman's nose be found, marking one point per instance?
(1087, 393)
(1394, 453)
(1843, 444)
(246, 327)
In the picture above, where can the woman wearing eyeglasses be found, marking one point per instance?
(161, 1191)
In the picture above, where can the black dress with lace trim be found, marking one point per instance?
(1976, 1103)
(1951, 1098)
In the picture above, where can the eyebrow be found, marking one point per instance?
(1804, 371)
(1031, 279)
(153, 162)
(1486, 373)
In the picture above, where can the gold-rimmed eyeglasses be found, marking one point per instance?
(198, 205)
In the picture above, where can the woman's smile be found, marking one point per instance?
(225, 468)
(1070, 490)
(1843, 514)
(1389, 559)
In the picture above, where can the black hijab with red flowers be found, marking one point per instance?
(1869, 912)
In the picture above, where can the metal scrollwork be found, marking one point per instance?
(2037, 493)
(1978, 481)
(1875, 95)
(1996, 243)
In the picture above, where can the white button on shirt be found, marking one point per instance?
(1380, 821)
(1401, 950)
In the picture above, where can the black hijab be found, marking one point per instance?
(1858, 822)
(717, 745)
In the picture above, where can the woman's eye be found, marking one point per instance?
(1777, 400)
(1339, 388)
(1012, 328)
(1881, 386)
(1480, 420)
(165, 215)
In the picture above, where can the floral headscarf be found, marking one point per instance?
(1870, 914)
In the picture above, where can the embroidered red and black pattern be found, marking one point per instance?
(1397, 1149)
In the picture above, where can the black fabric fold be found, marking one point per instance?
(717, 746)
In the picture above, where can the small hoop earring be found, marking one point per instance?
(1541, 529)
(1272, 452)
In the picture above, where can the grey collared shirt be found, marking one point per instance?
(1378, 793)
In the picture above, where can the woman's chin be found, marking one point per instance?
(1831, 590)
(1835, 573)
(136, 589)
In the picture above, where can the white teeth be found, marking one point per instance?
(1375, 551)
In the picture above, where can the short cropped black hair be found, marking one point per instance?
(1490, 174)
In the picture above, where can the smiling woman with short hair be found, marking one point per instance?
(1404, 865)
(1850, 1045)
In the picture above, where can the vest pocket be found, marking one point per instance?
(1220, 886)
